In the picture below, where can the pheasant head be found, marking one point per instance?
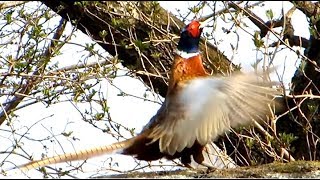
(190, 37)
(187, 61)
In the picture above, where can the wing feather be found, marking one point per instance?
(207, 107)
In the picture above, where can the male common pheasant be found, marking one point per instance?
(197, 109)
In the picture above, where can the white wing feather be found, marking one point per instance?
(207, 107)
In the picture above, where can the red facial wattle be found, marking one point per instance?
(193, 29)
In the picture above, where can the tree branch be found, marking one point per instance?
(130, 25)
(32, 82)
(265, 27)
(307, 7)
(10, 4)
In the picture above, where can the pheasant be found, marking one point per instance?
(197, 109)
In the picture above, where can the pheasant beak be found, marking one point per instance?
(204, 23)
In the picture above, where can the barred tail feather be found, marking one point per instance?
(80, 155)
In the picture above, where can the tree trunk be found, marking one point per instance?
(137, 35)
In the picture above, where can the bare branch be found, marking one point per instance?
(31, 82)
(265, 27)
(9, 4)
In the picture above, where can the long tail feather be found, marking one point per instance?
(80, 155)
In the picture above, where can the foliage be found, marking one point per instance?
(136, 39)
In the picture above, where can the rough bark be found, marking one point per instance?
(305, 122)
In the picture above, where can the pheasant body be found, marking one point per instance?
(197, 109)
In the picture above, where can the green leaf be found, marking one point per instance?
(269, 14)
(287, 138)
(258, 42)
(67, 134)
(142, 46)
(99, 116)
(156, 55)
(9, 17)
(103, 34)
(249, 142)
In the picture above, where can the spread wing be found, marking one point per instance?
(207, 107)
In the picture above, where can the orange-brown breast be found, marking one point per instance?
(183, 70)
